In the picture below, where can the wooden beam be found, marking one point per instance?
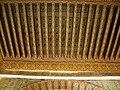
(106, 32)
(74, 27)
(19, 30)
(14, 31)
(46, 30)
(93, 32)
(67, 26)
(1, 53)
(118, 53)
(112, 34)
(87, 31)
(4, 41)
(7, 29)
(100, 31)
(80, 32)
(39, 29)
(33, 32)
(60, 27)
(115, 44)
(53, 23)
(26, 30)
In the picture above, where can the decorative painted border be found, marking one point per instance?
(62, 66)
(78, 66)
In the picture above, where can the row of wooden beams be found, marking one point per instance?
(19, 30)
(33, 32)
(14, 32)
(115, 44)
(106, 32)
(67, 26)
(53, 15)
(60, 27)
(80, 32)
(100, 32)
(93, 32)
(113, 30)
(26, 31)
(74, 25)
(7, 29)
(39, 30)
(46, 30)
(4, 41)
(87, 31)
(61, 85)
(115, 2)
(60, 34)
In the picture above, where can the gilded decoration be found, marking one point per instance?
(66, 35)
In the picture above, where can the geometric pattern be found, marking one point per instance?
(23, 84)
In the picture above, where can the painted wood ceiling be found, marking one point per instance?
(41, 84)
(59, 30)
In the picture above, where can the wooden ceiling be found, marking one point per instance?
(60, 30)
(65, 29)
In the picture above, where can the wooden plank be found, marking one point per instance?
(67, 26)
(33, 32)
(118, 53)
(26, 30)
(74, 25)
(115, 44)
(53, 23)
(60, 27)
(19, 30)
(4, 41)
(112, 34)
(93, 32)
(7, 29)
(106, 32)
(80, 32)
(39, 29)
(1, 52)
(14, 32)
(87, 31)
(100, 31)
(46, 30)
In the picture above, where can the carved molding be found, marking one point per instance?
(62, 66)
